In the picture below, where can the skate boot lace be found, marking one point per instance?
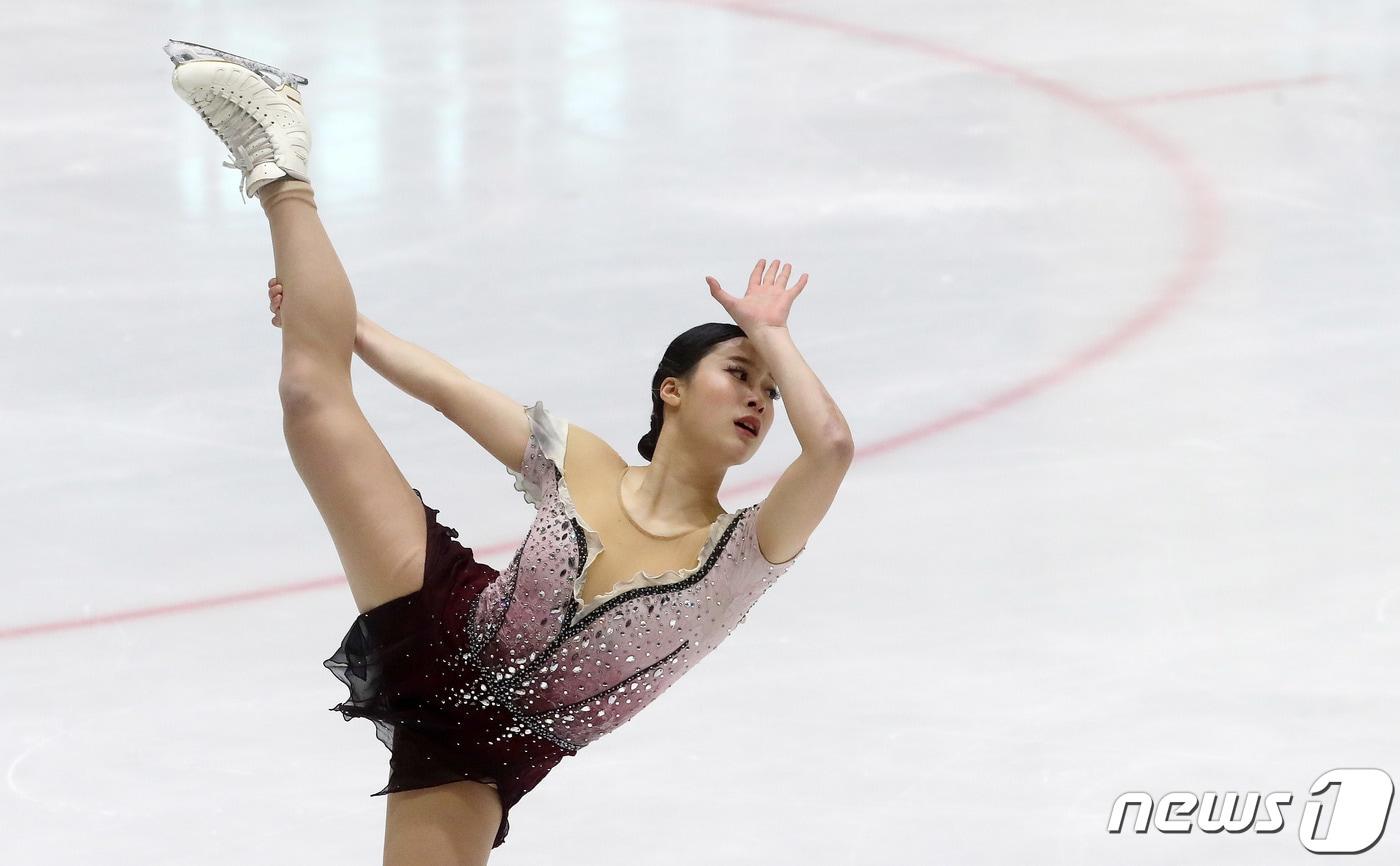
(246, 139)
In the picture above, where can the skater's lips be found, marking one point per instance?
(753, 422)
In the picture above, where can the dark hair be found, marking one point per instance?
(680, 359)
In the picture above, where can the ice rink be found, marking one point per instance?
(1106, 292)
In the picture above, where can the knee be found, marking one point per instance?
(307, 385)
(297, 395)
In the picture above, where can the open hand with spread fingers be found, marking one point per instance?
(767, 300)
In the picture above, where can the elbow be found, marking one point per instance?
(840, 447)
(845, 449)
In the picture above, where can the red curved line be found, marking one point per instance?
(1223, 90)
(1203, 220)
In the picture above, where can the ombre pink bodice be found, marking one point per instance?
(571, 672)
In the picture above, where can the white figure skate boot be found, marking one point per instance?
(253, 107)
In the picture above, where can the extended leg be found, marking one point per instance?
(318, 305)
(376, 521)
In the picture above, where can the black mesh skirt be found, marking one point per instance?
(392, 661)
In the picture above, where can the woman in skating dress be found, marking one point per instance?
(481, 681)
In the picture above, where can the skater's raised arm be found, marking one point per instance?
(805, 491)
(408, 366)
(495, 420)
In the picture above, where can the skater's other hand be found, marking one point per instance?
(274, 294)
(766, 301)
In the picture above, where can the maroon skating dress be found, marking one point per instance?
(497, 676)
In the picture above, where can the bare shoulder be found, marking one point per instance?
(588, 457)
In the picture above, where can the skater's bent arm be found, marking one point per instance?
(802, 495)
(496, 421)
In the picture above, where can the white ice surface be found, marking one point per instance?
(1169, 564)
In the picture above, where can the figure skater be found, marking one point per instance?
(480, 681)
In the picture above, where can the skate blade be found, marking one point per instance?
(184, 52)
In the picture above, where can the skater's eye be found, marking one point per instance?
(772, 392)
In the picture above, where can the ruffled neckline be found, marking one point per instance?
(551, 434)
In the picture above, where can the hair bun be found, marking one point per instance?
(646, 446)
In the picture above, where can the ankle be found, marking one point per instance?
(284, 189)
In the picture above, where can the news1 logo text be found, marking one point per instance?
(1360, 807)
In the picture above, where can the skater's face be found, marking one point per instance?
(728, 384)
